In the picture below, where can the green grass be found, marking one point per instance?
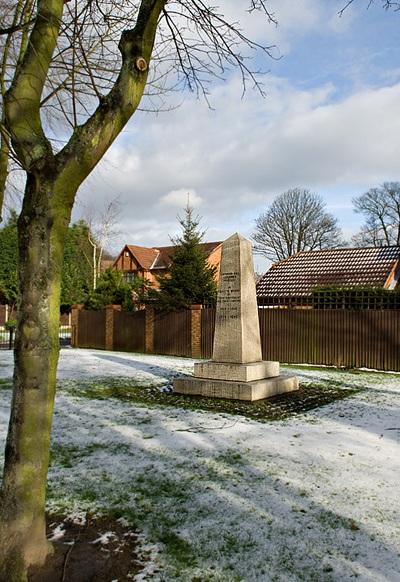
(68, 455)
(6, 384)
(311, 395)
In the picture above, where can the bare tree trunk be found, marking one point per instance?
(4, 161)
(94, 266)
(42, 229)
(52, 182)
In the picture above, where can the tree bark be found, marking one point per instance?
(52, 182)
(42, 230)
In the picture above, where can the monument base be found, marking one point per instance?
(234, 390)
(236, 372)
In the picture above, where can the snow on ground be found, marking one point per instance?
(224, 498)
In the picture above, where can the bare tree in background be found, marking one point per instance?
(101, 232)
(381, 209)
(386, 4)
(72, 75)
(296, 221)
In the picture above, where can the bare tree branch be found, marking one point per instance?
(381, 209)
(296, 221)
(386, 4)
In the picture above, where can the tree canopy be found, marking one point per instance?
(9, 261)
(76, 280)
(191, 280)
(381, 209)
(296, 221)
(77, 268)
(112, 289)
(72, 74)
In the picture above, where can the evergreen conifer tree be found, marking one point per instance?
(8, 261)
(190, 280)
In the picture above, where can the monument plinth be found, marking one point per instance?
(236, 370)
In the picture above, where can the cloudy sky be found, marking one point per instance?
(330, 122)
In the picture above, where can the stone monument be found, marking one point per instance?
(236, 370)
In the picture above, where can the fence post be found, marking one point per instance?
(149, 330)
(110, 310)
(75, 309)
(195, 311)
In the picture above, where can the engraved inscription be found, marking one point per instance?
(229, 297)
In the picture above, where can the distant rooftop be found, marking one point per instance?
(160, 257)
(298, 275)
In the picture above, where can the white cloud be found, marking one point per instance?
(237, 157)
(180, 198)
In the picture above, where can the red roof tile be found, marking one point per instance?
(144, 256)
(348, 267)
(160, 257)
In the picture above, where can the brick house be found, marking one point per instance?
(291, 282)
(151, 262)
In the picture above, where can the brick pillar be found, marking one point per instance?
(110, 310)
(149, 330)
(75, 309)
(196, 331)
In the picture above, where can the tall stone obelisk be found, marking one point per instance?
(236, 370)
(237, 329)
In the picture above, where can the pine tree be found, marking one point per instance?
(190, 280)
(8, 261)
(77, 270)
(76, 273)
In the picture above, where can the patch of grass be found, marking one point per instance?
(178, 548)
(340, 371)
(6, 384)
(68, 455)
(231, 458)
(160, 502)
(336, 521)
(311, 395)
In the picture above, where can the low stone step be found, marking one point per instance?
(255, 390)
(236, 372)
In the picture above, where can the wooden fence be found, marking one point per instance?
(91, 331)
(140, 331)
(347, 338)
(129, 331)
(172, 333)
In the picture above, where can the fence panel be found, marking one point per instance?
(6, 339)
(172, 333)
(333, 337)
(92, 329)
(129, 331)
(207, 331)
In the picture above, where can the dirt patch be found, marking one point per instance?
(89, 549)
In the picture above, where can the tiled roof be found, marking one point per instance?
(144, 256)
(299, 274)
(164, 259)
(160, 257)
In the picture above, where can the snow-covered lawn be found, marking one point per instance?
(224, 498)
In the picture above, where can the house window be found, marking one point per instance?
(130, 276)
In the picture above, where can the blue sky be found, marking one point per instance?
(359, 48)
(330, 122)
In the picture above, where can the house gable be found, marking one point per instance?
(151, 262)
